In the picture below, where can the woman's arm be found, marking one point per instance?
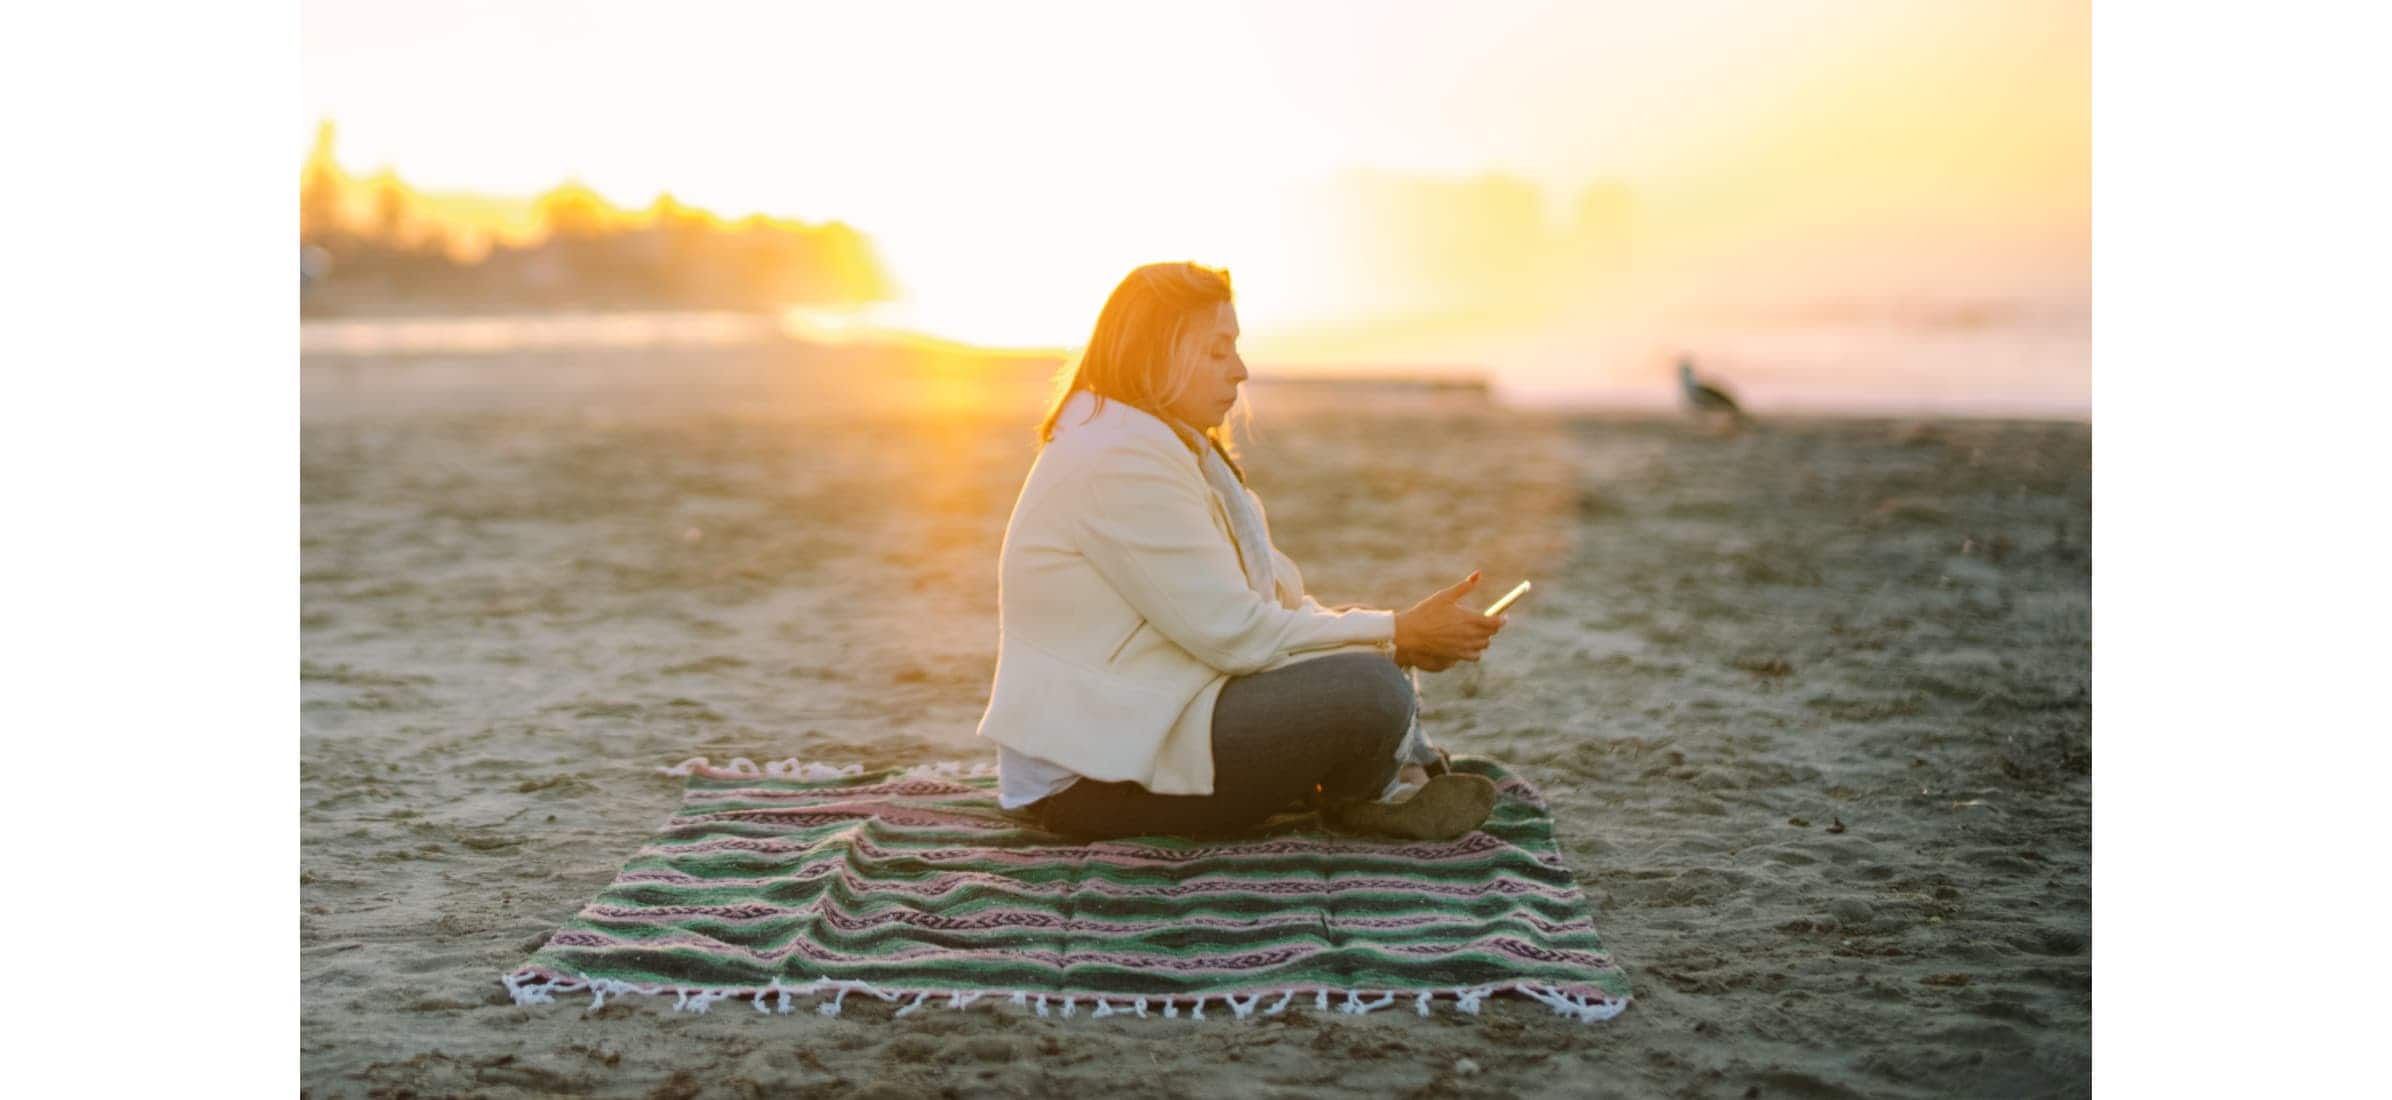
(1147, 528)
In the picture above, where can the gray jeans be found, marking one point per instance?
(1342, 723)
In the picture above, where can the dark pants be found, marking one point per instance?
(1333, 722)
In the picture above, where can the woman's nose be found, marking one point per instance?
(1237, 369)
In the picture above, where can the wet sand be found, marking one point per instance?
(1812, 703)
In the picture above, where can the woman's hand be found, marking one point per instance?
(1436, 632)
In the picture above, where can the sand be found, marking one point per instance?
(1812, 703)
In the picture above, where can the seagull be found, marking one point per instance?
(1702, 398)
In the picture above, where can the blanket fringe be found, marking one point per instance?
(1585, 1009)
(804, 771)
(534, 987)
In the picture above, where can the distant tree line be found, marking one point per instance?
(377, 245)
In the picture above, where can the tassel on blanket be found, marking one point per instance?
(537, 989)
(1355, 1006)
(742, 767)
(1583, 1008)
(531, 987)
(780, 995)
(602, 988)
(811, 773)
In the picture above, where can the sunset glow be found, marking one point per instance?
(1385, 181)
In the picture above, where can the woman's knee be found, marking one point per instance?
(1382, 698)
(1344, 705)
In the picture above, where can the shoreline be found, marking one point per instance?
(781, 341)
(1025, 379)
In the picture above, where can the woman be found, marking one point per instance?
(1160, 669)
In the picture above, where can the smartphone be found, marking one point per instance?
(1509, 598)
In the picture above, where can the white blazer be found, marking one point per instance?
(1123, 607)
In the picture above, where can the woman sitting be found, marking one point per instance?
(1160, 669)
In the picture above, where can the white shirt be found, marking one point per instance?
(1024, 779)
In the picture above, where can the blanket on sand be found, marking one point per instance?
(909, 885)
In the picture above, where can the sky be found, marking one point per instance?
(1419, 170)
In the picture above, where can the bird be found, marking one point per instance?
(1704, 399)
(314, 265)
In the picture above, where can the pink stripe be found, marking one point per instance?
(940, 885)
(1468, 847)
(839, 812)
(1027, 919)
(1252, 960)
(907, 788)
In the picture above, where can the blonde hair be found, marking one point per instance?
(1137, 354)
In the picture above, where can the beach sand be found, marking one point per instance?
(1812, 704)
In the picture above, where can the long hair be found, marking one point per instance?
(1139, 353)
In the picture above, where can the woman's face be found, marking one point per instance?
(1213, 382)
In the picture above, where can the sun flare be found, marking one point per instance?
(1548, 189)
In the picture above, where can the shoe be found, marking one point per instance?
(1449, 806)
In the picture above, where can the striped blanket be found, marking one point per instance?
(794, 881)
